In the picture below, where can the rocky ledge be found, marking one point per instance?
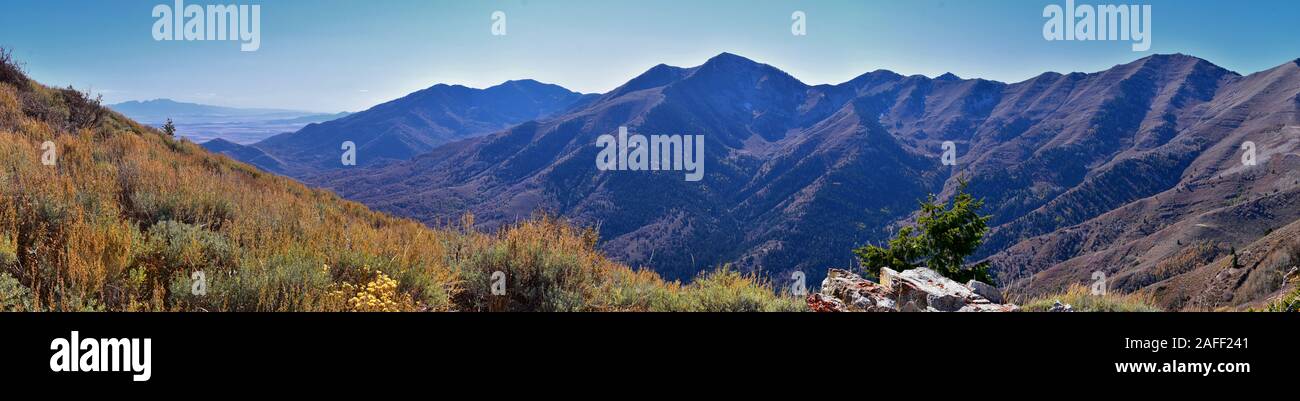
(915, 290)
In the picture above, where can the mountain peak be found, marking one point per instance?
(729, 56)
(1174, 58)
(947, 76)
(1171, 62)
(218, 142)
(730, 66)
(873, 78)
(658, 75)
(731, 60)
(525, 83)
(1167, 56)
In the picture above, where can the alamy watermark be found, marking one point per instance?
(498, 23)
(213, 22)
(638, 152)
(349, 156)
(799, 26)
(75, 354)
(498, 283)
(199, 283)
(1101, 22)
(1099, 284)
(49, 155)
(949, 155)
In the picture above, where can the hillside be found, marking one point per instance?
(1190, 190)
(1076, 169)
(125, 217)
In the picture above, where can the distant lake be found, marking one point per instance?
(241, 132)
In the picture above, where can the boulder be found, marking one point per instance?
(821, 303)
(913, 290)
(989, 292)
(851, 293)
(1060, 307)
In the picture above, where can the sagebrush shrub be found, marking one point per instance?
(84, 109)
(13, 296)
(11, 72)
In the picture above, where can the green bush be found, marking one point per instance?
(8, 254)
(295, 281)
(1288, 303)
(14, 297)
(68, 301)
(537, 278)
(173, 249)
(207, 210)
(179, 245)
(941, 239)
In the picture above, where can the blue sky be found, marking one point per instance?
(335, 55)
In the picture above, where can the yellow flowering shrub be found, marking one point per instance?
(380, 294)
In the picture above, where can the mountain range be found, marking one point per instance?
(159, 110)
(1135, 172)
(406, 127)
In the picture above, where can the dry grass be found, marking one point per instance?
(1189, 258)
(1082, 300)
(1287, 303)
(128, 214)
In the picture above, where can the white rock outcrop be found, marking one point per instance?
(920, 290)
